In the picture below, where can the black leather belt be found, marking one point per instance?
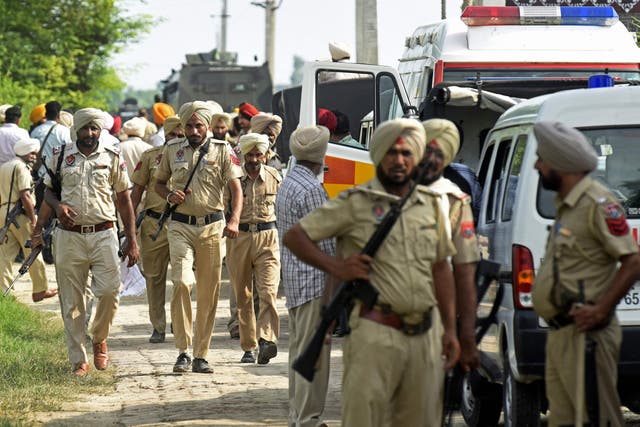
(254, 228)
(197, 220)
(389, 318)
(152, 214)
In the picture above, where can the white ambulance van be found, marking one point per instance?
(514, 222)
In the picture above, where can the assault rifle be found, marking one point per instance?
(169, 208)
(12, 216)
(32, 256)
(359, 289)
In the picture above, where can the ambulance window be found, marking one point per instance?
(497, 178)
(389, 104)
(512, 178)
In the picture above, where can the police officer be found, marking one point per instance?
(90, 172)
(196, 226)
(443, 142)
(387, 352)
(255, 255)
(16, 185)
(579, 282)
(155, 254)
(271, 126)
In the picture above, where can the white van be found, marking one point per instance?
(514, 222)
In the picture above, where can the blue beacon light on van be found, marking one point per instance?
(540, 15)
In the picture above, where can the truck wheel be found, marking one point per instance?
(481, 401)
(521, 401)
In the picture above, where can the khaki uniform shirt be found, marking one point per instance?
(88, 182)
(144, 175)
(401, 269)
(259, 196)
(217, 167)
(21, 181)
(588, 238)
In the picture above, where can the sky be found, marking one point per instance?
(303, 28)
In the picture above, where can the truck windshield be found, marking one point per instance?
(615, 148)
(469, 74)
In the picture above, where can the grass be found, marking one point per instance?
(35, 374)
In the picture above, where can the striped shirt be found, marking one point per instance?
(299, 194)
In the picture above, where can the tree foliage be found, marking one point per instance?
(60, 49)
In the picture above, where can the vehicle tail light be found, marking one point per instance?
(523, 274)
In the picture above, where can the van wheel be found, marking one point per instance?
(521, 401)
(481, 401)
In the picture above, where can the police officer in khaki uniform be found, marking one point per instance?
(443, 142)
(254, 256)
(16, 185)
(579, 282)
(91, 171)
(196, 227)
(155, 254)
(271, 126)
(387, 353)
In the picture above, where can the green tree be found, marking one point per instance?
(60, 49)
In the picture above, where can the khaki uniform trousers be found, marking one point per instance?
(434, 404)
(560, 374)
(384, 381)
(16, 239)
(155, 257)
(306, 399)
(189, 244)
(254, 259)
(75, 255)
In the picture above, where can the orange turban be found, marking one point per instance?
(37, 114)
(161, 111)
(247, 110)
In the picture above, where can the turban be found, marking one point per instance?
(404, 131)
(161, 111)
(170, 124)
(327, 119)
(310, 143)
(26, 146)
(200, 109)
(117, 125)
(564, 148)
(247, 110)
(37, 114)
(85, 116)
(249, 141)
(3, 109)
(262, 121)
(108, 121)
(339, 51)
(221, 116)
(66, 119)
(444, 134)
(135, 126)
(215, 107)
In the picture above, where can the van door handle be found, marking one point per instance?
(326, 169)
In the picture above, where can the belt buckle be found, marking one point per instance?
(85, 229)
(200, 221)
(253, 228)
(411, 329)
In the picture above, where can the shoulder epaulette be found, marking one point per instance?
(114, 150)
(273, 172)
(175, 141)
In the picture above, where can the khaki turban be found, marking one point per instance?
(262, 121)
(339, 51)
(66, 119)
(310, 143)
(85, 116)
(215, 107)
(405, 131)
(444, 134)
(161, 111)
(564, 148)
(3, 109)
(109, 121)
(170, 124)
(135, 127)
(221, 116)
(200, 109)
(26, 146)
(249, 141)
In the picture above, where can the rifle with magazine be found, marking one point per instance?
(169, 208)
(32, 256)
(306, 363)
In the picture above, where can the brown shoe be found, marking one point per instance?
(100, 356)
(39, 296)
(81, 369)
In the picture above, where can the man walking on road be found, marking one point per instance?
(301, 193)
(254, 256)
(196, 226)
(388, 352)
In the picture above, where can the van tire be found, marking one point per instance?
(481, 401)
(521, 402)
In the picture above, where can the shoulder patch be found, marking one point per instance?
(234, 158)
(138, 166)
(616, 221)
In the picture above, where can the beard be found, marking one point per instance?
(220, 136)
(389, 181)
(552, 181)
(88, 142)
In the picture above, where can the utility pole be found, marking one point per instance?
(269, 32)
(223, 27)
(443, 9)
(367, 31)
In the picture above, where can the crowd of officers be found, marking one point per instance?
(225, 198)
